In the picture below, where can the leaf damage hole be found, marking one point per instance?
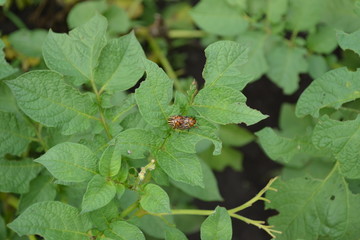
(332, 198)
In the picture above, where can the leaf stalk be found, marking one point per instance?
(233, 212)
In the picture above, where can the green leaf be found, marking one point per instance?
(55, 103)
(228, 158)
(323, 40)
(15, 134)
(341, 14)
(52, 220)
(291, 125)
(121, 230)
(155, 199)
(110, 161)
(135, 120)
(102, 217)
(225, 105)
(219, 17)
(234, 135)
(317, 66)
(99, 192)
(217, 226)
(285, 65)
(256, 9)
(276, 9)
(185, 141)
(315, 168)
(349, 41)
(315, 209)
(118, 113)
(5, 68)
(76, 54)
(135, 143)
(174, 234)
(223, 62)
(82, 12)
(153, 225)
(304, 15)
(210, 191)
(7, 99)
(28, 42)
(334, 88)
(154, 95)
(256, 65)
(2, 228)
(120, 64)
(182, 167)
(118, 18)
(342, 139)
(290, 151)
(42, 189)
(15, 176)
(70, 162)
(160, 176)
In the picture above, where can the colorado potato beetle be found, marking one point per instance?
(181, 122)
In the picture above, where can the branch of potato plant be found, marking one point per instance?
(233, 212)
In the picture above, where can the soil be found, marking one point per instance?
(236, 187)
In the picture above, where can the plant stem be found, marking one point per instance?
(257, 223)
(186, 34)
(232, 212)
(163, 60)
(256, 198)
(102, 118)
(40, 138)
(129, 209)
(14, 19)
(293, 37)
(188, 212)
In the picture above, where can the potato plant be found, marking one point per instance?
(90, 160)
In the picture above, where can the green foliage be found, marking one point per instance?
(318, 144)
(56, 104)
(16, 175)
(28, 42)
(70, 162)
(280, 34)
(104, 151)
(52, 220)
(217, 226)
(99, 193)
(16, 133)
(82, 12)
(311, 208)
(84, 154)
(285, 65)
(155, 199)
(219, 17)
(124, 230)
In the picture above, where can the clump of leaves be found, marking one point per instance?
(286, 37)
(90, 160)
(319, 145)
